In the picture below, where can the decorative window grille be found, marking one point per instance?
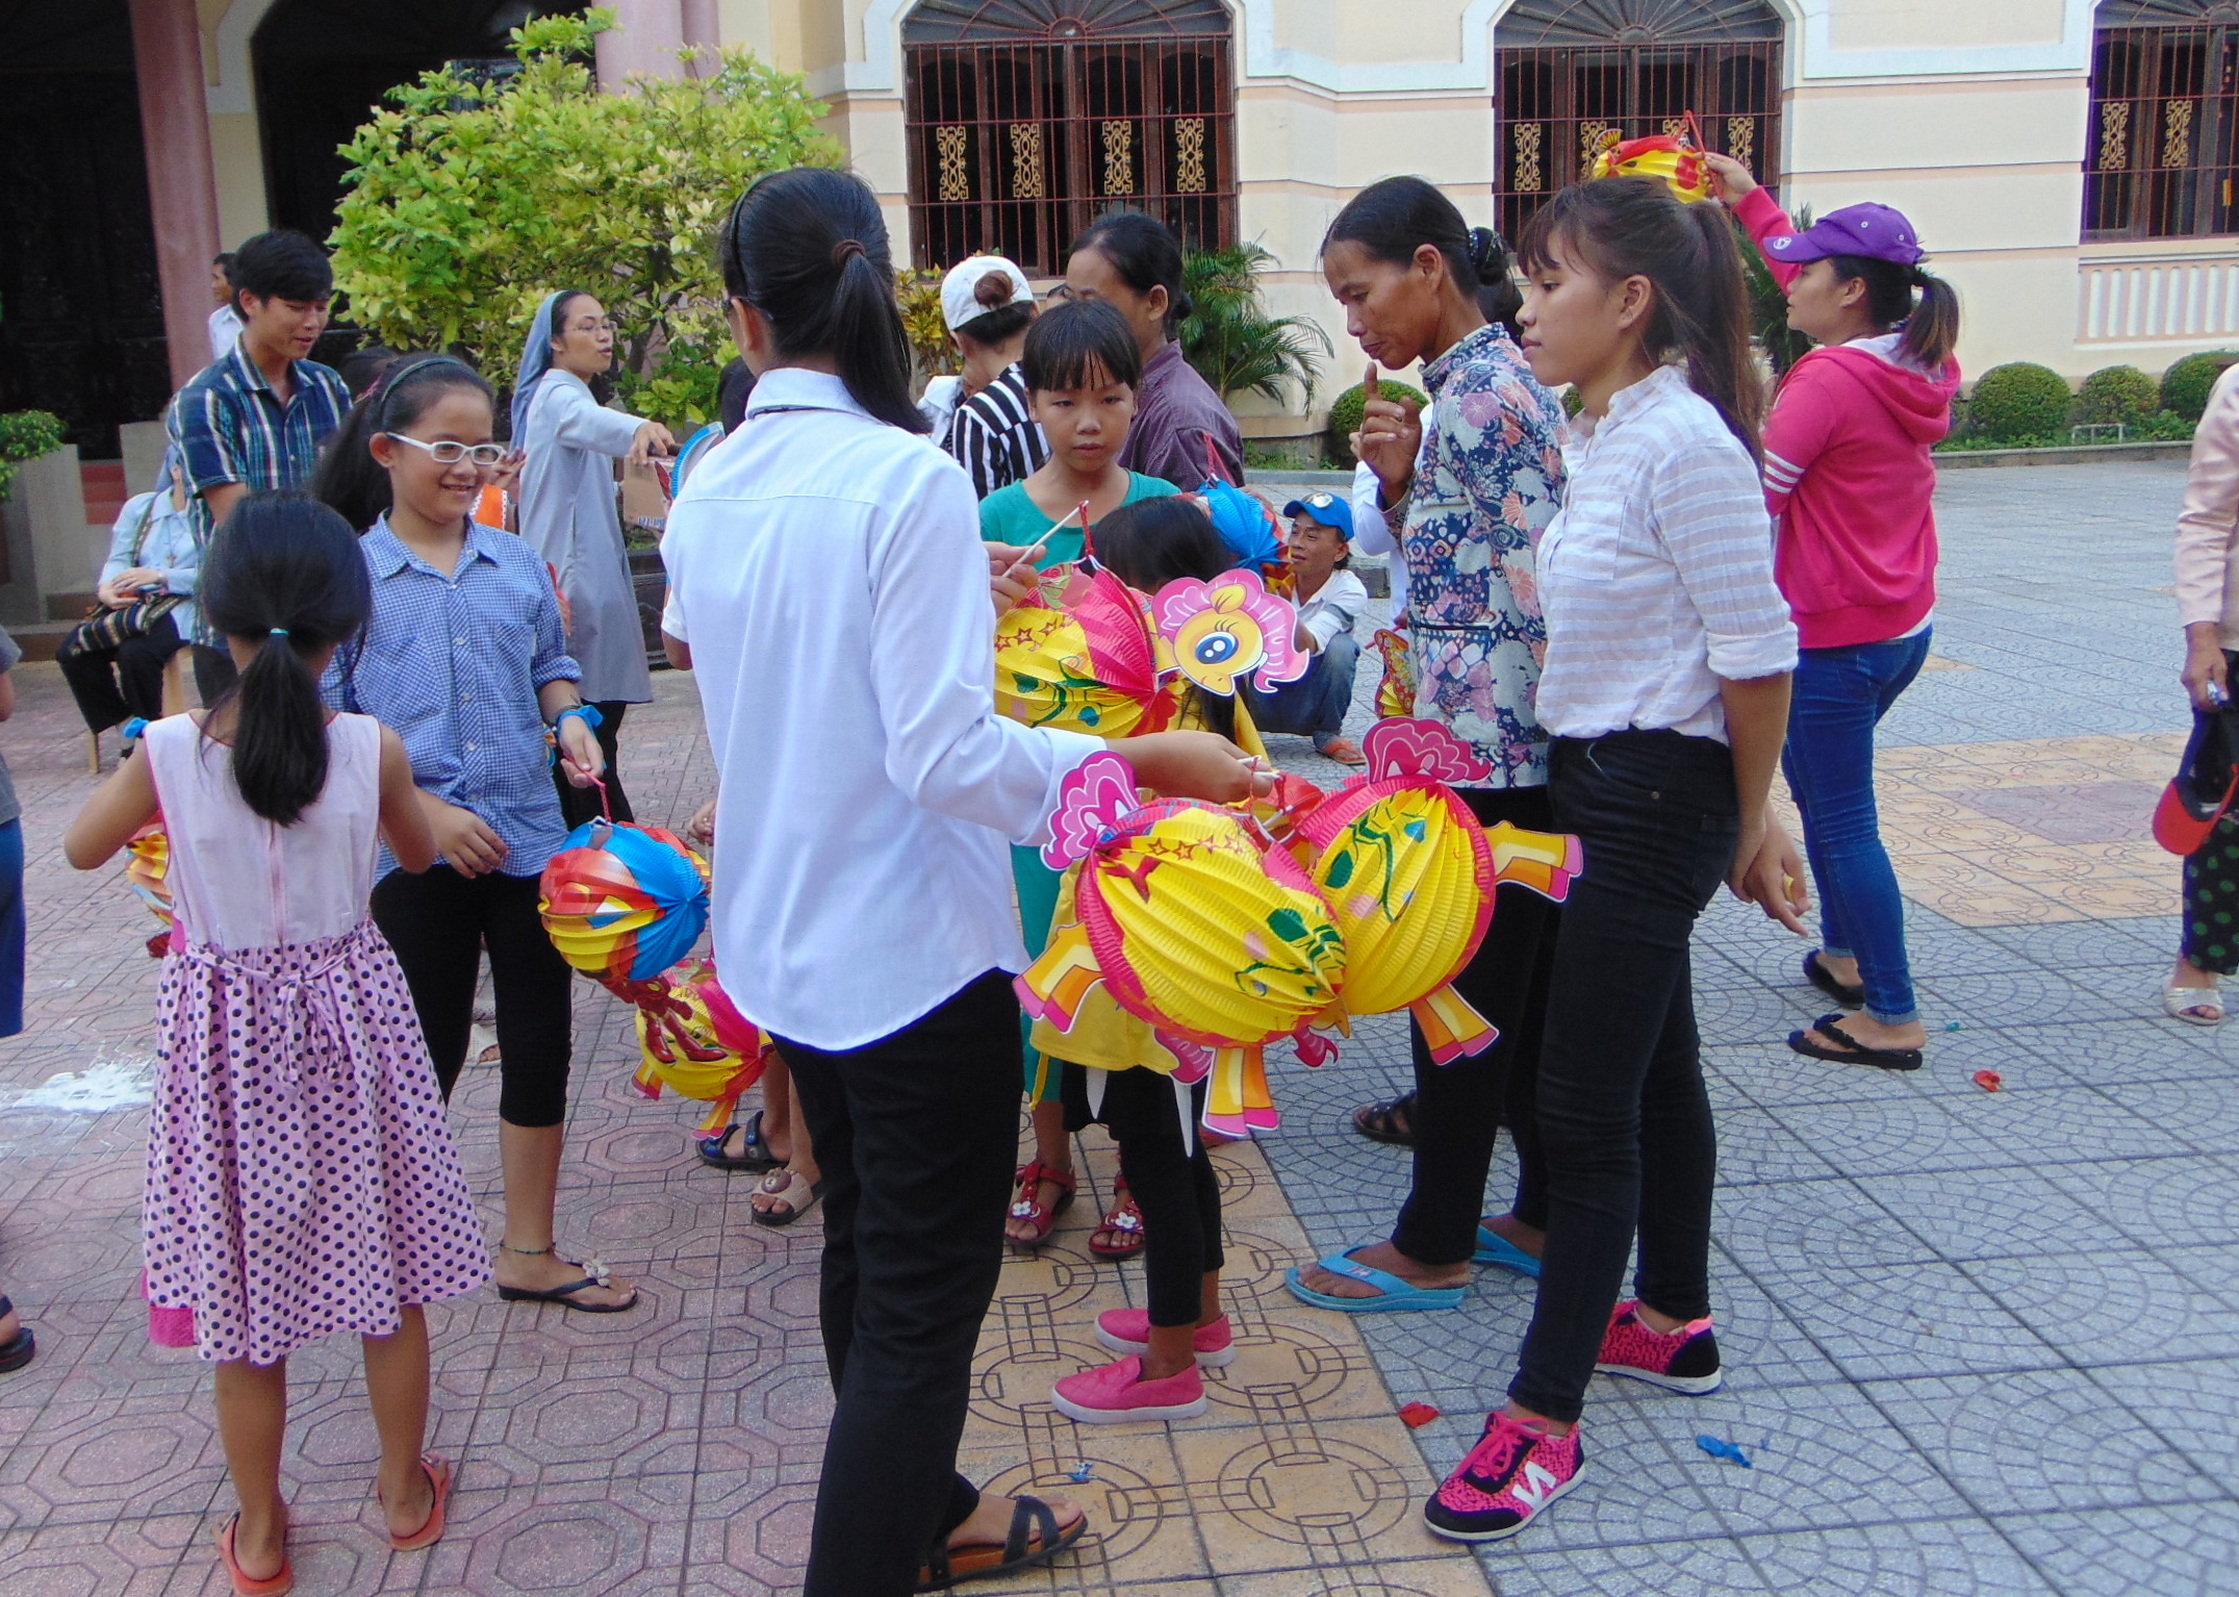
(1578, 75)
(1029, 118)
(2164, 144)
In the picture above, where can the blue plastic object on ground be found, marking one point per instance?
(1719, 1447)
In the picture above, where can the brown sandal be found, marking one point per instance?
(1026, 1202)
(1120, 1236)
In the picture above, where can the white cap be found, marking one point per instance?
(959, 303)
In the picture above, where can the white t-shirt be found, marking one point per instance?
(828, 572)
(225, 331)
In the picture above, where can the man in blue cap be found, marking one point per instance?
(1329, 599)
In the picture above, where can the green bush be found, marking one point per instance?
(25, 435)
(2117, 394)
(2184, 386)
(1346, 410)
(2021, 400)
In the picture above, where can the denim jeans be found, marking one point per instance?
(1839, 697)
(1624, 1121)
(1316, 703)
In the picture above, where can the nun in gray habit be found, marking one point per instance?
(568, 514)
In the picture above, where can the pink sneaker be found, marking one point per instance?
(1129, 1331)
(1515, 1470)
(1116, 1393)
(1686, 1360)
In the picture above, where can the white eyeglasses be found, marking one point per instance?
(449, 451)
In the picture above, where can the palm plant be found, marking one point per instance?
(1768, 306)
(1229, 336)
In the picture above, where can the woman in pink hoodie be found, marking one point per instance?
(1849, 481)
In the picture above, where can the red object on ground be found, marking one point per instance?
(1989, 1080)
(1417, 1415)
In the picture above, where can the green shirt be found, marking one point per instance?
(1009, 515)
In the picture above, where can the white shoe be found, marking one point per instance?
(2195, 1006)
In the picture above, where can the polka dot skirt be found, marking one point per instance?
(301, 1177)
(2211, 934)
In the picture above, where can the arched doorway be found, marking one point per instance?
(2164, 148)
(1577, 74)
(322, 67)
(1029, 117)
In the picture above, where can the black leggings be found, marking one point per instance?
(439, 923)
(113, 685)
(1459, 1106)
(580, 804)
(1176, 1187)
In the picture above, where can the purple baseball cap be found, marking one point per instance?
(1874, 231)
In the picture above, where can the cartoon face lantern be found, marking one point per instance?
(693, 1041)
(1192, 924)
(1409, 877)
(1216, 632)
(622, 902)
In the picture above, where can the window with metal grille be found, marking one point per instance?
(1029, 118)
(2164, 120)
(1578, 75)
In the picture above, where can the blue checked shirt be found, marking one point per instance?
(453, 661)
(229, 426)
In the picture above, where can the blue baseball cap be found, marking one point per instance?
(1331, 510)
(1876, 232)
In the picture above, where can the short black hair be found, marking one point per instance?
(1070, 344)
(223, 261)
(733, 389)
(281, 264)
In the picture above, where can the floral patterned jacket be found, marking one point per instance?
(1487, 483)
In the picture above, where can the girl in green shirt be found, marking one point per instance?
(1081, 367)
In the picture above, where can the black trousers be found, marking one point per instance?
(580, 804)
(1623, 1116)
(1459, 1107)
(113, 685)
(1175, 1186)
(214, 672)
(916, 1133)
(439, 923)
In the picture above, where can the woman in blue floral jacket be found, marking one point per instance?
(1468, 498)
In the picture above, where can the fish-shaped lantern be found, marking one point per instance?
(1409, 876)
(1193, 924)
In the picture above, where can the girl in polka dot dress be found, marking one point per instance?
(301, 1179)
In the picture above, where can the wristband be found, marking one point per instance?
(588, 712)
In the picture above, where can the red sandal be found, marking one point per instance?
(1026, 1202)
(1124, 1225)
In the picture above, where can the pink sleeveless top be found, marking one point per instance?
(238, 881)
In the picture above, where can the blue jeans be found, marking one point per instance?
(1840, 696)
(1316, 703)
(11, 928)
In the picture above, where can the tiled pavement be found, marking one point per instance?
(1979, 1343)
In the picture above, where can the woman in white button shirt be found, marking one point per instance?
(829, 588)
(1669, 650)
(569, 516)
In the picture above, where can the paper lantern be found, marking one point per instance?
(624, 902)
(1087, 665)
(1675, 158)
(693, 1041)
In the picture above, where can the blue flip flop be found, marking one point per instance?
(1399, 1295)
(1493, 1248)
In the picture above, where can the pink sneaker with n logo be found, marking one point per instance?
(1516, 1469)
(1685, 1360)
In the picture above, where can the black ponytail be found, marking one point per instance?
(348, 478)
(1145, 254)
(1931, 326)
(807, 248)
(285, 573)
(1620, 227)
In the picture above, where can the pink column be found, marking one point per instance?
(702, 27)
(182, 181)
(644, 40)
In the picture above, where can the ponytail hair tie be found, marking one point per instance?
(279, 632)
(1488, 252)
(845, 248)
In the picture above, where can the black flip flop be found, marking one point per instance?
(1029, 1516)
(17, 1353)
(1853, 1052)
(755, 1160)
(565, 1297)
(1817, 975)
(1379, 1122)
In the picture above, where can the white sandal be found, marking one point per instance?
(2183, 1003)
